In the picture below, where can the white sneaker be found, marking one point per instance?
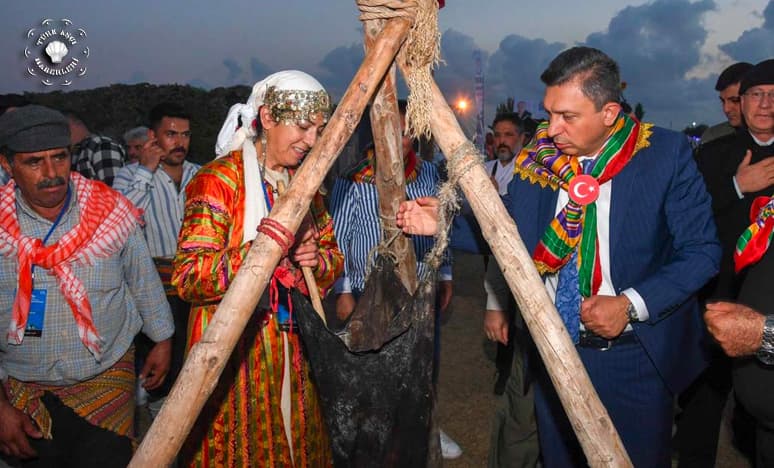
(449, 448)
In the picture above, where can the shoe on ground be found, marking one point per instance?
(449, 448)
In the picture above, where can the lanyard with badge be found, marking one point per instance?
(38, 300)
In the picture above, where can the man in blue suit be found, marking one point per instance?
(621, 227)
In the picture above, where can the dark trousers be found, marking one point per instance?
(702, 407)
(76, 443)
(754, 386)
(180, 310)
(504, 356)
(514, 438)
(635, 396)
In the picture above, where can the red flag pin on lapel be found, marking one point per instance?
(583, 189)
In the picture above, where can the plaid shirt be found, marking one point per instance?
(98, 157)
(125, 294)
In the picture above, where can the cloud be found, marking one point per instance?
(655, 45)
(754, 45)
(259, 70)
(455, 76)
(339, 66)
(235, 71)
(515, 67)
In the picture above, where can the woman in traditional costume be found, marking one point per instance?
(265, 410)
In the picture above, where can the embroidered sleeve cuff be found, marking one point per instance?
(342, 286)
(736, 187)
(639, 304)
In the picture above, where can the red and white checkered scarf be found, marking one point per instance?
(107, 219)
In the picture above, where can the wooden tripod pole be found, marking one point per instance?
(390, 174)
(208, 357)
(589, 418)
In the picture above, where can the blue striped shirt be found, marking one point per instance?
(156, 194)
(355, 210)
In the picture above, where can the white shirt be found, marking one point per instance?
(503, 173)
(498, 291)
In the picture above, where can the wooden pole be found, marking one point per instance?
(208, 357)
(311, 283)
(390, 174)
(589, 418)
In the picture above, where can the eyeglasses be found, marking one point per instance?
(757, 96)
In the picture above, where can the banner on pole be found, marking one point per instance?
(478, 92)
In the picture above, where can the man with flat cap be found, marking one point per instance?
(740, 167)
(76, 285)
(744, 328)
(703, 402)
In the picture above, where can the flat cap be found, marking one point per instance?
(761, 74)
(33, 128)
(732, 75)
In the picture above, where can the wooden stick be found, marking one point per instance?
(311, 283)
(390, 173)
(589, 418)
(314, 293)
(208, 357)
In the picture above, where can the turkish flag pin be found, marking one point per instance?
(583, 189)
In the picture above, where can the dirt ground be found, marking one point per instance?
(465, 399)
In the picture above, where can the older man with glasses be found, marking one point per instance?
(737, 169)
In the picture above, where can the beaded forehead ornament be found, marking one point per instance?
(291, 106)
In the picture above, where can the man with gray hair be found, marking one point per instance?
(134, 139)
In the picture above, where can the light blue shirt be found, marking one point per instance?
(124, 291)
(156, 194)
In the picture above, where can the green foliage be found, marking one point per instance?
(114, 109)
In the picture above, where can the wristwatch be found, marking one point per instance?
(766, 352)
(631, 312)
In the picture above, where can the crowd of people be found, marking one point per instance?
(115, 256)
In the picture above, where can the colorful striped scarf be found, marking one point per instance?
(576, 225)
(364, 171)
(755, 240)
(105, 401)
(107, 219)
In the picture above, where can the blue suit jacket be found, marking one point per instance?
(663, 243)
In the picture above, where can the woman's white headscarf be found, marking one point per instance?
(232, 137)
